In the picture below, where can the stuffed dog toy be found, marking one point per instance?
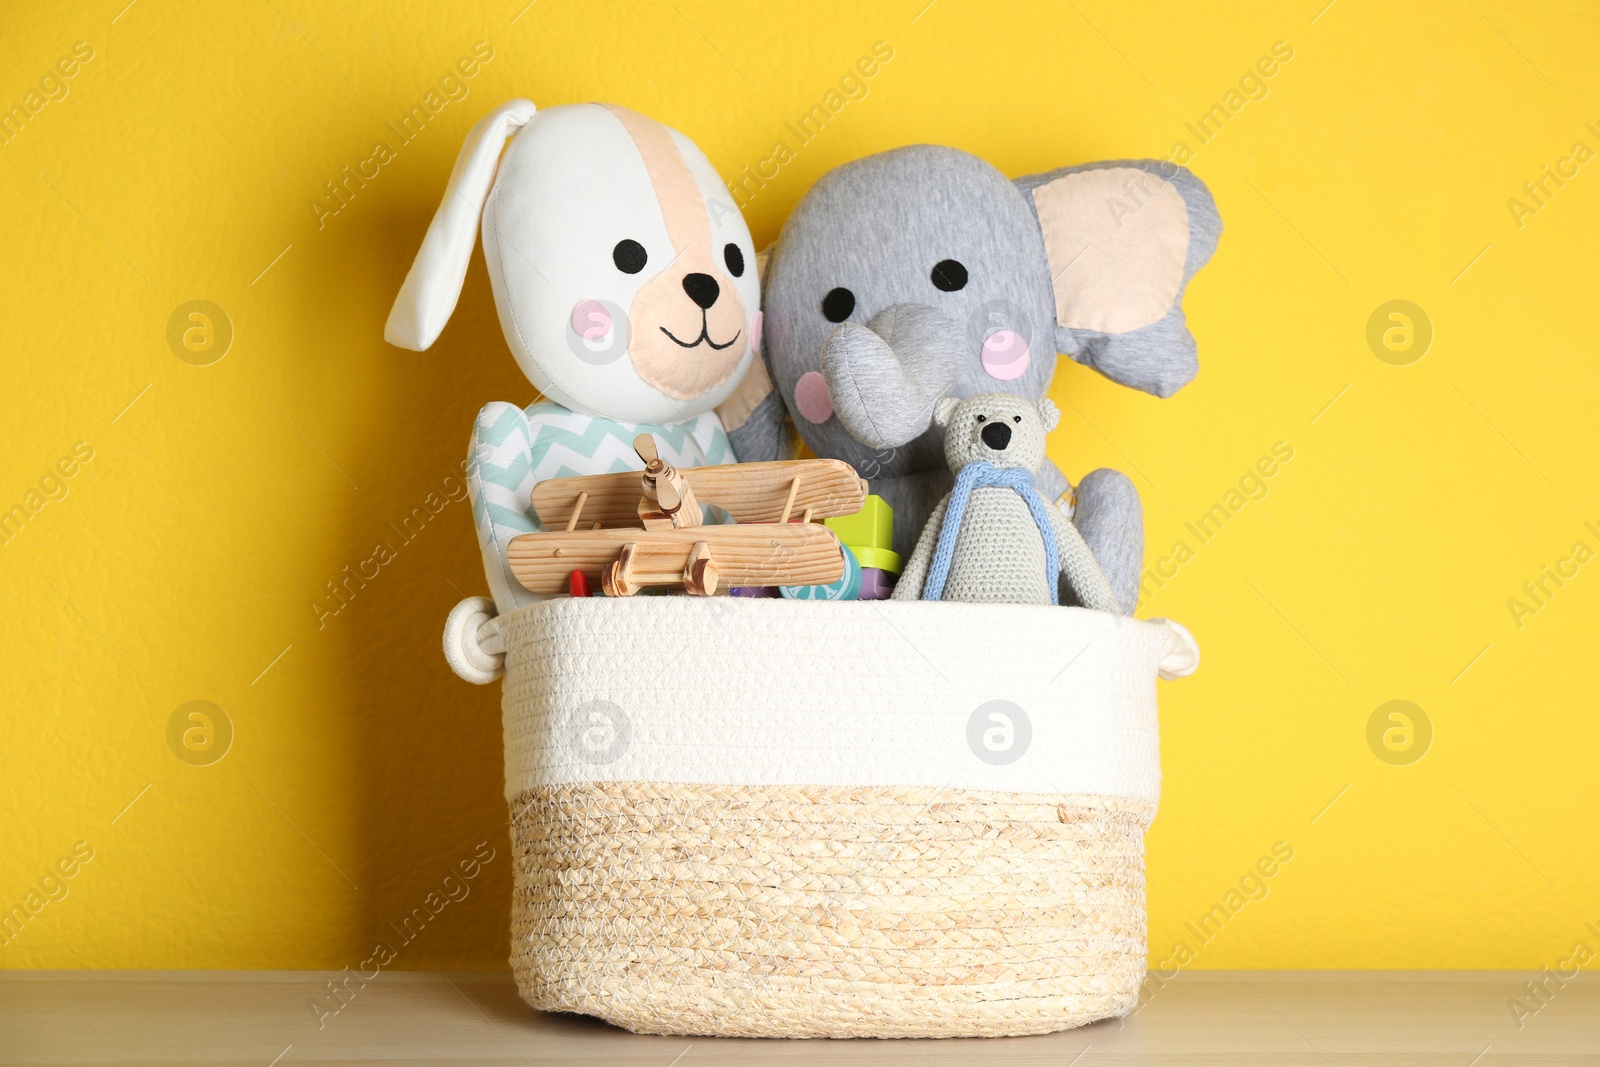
(627, 290)
(923, 272)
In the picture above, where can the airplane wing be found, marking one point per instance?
(745, 555)
(750, 492)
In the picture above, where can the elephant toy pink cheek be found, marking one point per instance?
(1005, 355)
(811, 396)
(590, 320)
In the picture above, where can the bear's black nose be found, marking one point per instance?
(702, 289)
(997, 435)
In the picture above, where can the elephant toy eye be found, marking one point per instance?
(838, 304)
(949, 275)
(629, 256)
(734, 259)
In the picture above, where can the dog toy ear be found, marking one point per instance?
(433, 285)
(1049, 414)
(944, 409)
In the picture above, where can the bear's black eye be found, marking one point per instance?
(629, 256)
(1016, 418)
(981, 418)
(734, 259)
(838, 304)
(949, 275)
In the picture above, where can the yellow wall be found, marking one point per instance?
(182, 562)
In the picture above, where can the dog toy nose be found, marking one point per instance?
(702, 289)
(997, 435)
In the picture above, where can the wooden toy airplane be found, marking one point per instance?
(645, 530)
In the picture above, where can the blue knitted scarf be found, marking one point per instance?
(972, 476)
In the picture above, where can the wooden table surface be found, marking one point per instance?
(1281, 1018)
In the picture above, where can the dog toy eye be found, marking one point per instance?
(838, 304)
(949, 275)
(1016, 418)
(629, 256)
(734, 259)
(983, 418)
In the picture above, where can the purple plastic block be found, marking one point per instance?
(756, 591)
(876, 584)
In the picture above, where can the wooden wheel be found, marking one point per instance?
(700, 573)
(617, 578)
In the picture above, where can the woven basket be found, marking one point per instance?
(765, 818)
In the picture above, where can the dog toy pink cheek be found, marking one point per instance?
(811, 396)
(1005, 355)
(591, 320)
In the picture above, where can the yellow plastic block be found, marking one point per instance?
(871, 527)
(882, 558)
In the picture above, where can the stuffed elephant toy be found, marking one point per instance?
(923, 273)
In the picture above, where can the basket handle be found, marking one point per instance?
(473, 644)
(1182, 656)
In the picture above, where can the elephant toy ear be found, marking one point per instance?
(1122, 240)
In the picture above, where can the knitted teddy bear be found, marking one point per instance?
(994, 538)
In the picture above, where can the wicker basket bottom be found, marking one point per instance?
(799, 911)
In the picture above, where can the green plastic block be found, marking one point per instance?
(871, 527)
